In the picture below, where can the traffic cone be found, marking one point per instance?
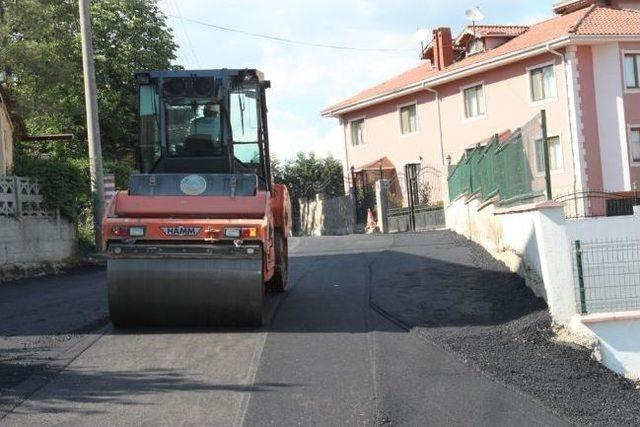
(372, 226)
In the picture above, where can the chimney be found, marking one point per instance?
(442, 48)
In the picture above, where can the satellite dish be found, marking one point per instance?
(474, 15)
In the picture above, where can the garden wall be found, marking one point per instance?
(30, 242)
(327, 217)
(538, 243)
(30, 234)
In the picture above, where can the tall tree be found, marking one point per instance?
(41, 61)
(306, 176)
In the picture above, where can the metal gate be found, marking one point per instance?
(365, 195)
(424, 209)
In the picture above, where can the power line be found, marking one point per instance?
(179, 55)
(186, 34)
(290, 41)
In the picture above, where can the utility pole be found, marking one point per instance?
(93, 124)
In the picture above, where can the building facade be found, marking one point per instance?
(582, 67)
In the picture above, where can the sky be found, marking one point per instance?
(306, 79)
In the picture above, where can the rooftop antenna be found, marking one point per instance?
(474, 15)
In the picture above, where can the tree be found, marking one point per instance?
(41, 61)
(306, 175)
(41, 65)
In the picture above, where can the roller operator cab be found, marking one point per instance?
(202, 231)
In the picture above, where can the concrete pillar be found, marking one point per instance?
(382, 205)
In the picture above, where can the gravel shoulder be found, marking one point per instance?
(453, 293)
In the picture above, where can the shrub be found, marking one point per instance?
(396, 201)
(65, 182)
(424, 193)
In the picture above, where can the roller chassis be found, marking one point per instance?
(211, 230)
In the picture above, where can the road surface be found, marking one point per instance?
(342, 347)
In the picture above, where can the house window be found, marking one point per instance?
(357, 132)
(543, 83)
(474, 101)
(476, 46)
(555, 154)
(408, 119)
(632, 71)
(634, 143)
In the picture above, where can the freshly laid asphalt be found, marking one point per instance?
(375, 330)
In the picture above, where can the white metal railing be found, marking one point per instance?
(22, 197)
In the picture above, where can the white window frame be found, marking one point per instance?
(530, 83)
(365, 136)
(631, 127)
(464, 101)
(535, 154)
(624, 75)
(400, 107)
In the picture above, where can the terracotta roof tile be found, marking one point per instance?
(592, 21)
(537, 34)
(609, 22)
(383, 163)
(499, 30)
(413, 75)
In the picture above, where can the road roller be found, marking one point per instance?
(201, 233)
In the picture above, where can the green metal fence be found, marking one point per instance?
(459, 180)
(607, 275)
(509, 168)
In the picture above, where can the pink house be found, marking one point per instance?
(581, 66)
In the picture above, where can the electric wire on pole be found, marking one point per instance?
(178, 11)
(288, 40)
(93, 124)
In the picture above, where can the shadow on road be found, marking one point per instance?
(78, 387)
(447, 289)
(431, 279)
(424, 280)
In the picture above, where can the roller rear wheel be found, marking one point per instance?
(278, 282)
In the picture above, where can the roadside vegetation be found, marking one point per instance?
(41, 67)
(307, 175)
